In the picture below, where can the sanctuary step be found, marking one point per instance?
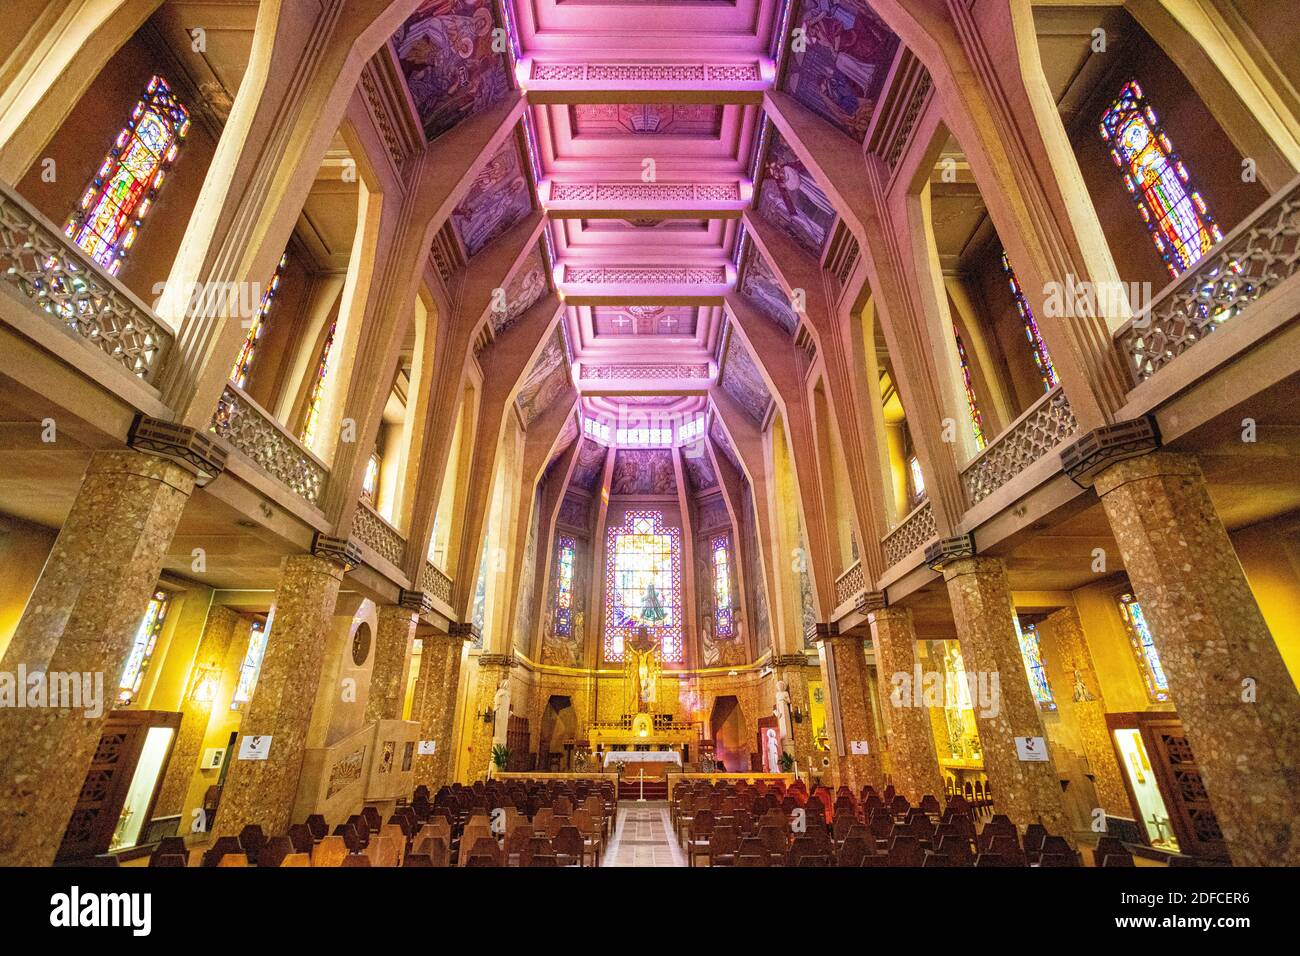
(629, 788)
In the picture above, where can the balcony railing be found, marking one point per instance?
(51, 271)
(434, 583)
(254, 433)
(848, 584)
(1044, 426)
(378, 535)
(1252, 259)
(917, 529)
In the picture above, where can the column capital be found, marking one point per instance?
(893, 614)
(417, 601)
(1163, 464)
(342, 551)
(792, 660)
(871, 601)
(466, 631)
(1100, 448)
(192, 449)
(497, 660)
(825, 630)
(946, 550)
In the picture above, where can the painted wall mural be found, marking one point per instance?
(575, 511)
(842, 67)
(761, 285)
(790, 199)
(565, 628)
(698, 467)
(743, 382)
(712, 514)
(643, 471)
(754, 577)
(807, 607)
(723, 444)
(662, 119)
(498, 199)
(445, 51)
(526, 607)
(716, 649)
(548, 378)
(590, 467)
(529, 283)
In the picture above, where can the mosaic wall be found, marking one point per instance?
(643, 471)
(791, 200)
(760, 284)
(498, 199)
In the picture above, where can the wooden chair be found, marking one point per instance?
(724, 843)
(569, 846)
(330, 851)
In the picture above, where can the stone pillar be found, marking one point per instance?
(436, 706)
(1226, 677)
(911, 736)
(1027, 791)
(224, 629)
(492, 670)
(844, 663)
(391, 670)
(1079, 696)
(80, 621)
(263, 791)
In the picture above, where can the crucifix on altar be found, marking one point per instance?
(641, 667)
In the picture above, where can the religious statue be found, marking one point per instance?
(782, 710)
(501, 707)
(641, 671)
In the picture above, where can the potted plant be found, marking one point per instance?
(787, 762)
(500, 756)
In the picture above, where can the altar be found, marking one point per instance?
(617, 757)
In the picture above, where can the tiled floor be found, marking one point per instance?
(643, 836)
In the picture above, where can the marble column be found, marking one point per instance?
(435, 696)
(263, 791)
(1232, 690)
(223, 629)
(80, 621)
(492, 670)
(1078, 694)
(1027, 791)
(394, 639)
(844, 660)
(907, 718)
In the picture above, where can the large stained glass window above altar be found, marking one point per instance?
(643, 585)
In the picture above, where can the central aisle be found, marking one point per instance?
(643, 836)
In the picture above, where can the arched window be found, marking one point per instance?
(370, 481)
(1153, 674)
(972, 406)
(251, 666)
(247, 352)
(1037, 347)
(314, 397)
(643, 584)
(142, 648)
(723, 609)
(1179, 222)
(1032, 653)
(121, 191)
(564, 555)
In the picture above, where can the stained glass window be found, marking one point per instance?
(370, 483)
(564, 585)
(722, 606)
(142, 647)
(643, 584)
(123, 188)
(239, 372)
(972, 406)
(317, 393)
(1037, 347)
(918, 479)
(1148, 659)
(252, 665)
(1032, 652)
(1175, 214)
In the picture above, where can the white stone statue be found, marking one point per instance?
(501, 705)
(782, 710)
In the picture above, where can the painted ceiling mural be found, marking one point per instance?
(526, 286)
(548, 378)
(498, 198)
(790, 199)
(698, 468)
(588, 470)
(761, 285)
(723, 444)
(644, 319)
(754, 577)
(840, 70)
(445, 50)
(662, 119)
(643, 471)
(742, 380)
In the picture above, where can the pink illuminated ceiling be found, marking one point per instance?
(641, 144)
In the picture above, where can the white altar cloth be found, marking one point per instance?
(642, 756)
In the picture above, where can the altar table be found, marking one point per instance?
(642, 756)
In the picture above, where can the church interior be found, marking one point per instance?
(630, 433)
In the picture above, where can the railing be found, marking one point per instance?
(378, 535)
(1253, 258)
(434, 583)
(252, 432)
(915, 530)
(66, 284)
(848, 584)
(1043, 426)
